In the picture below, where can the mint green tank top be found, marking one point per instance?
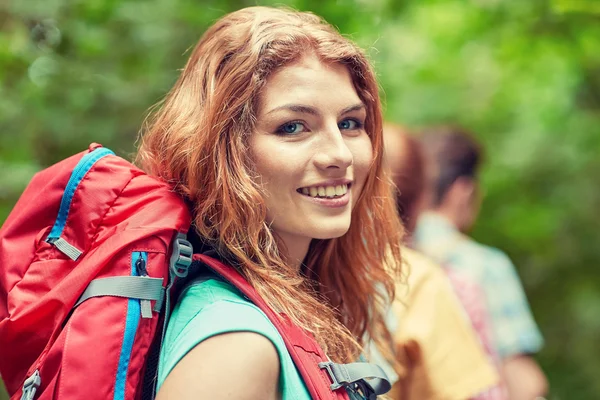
(214, 307)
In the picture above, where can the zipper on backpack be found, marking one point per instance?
(31, 385)
(142, 270)
(132, 321)
(140, 265)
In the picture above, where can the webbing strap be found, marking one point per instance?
(133, 287)
(158, 304)
(66, 248)
(358, 373)
(181, 259)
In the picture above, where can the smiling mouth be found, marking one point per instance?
(325, 192)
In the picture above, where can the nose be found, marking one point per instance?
(332, 151)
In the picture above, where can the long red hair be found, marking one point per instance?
(197, 140)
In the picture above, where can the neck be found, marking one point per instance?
(447, 214)
(297, 248)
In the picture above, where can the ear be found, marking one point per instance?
(466, 185)
(461, 192)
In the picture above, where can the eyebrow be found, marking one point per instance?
(356, 107)
(299, 108)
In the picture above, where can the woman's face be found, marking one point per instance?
(311, 151)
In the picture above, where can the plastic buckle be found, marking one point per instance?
(31, 385)
(328, 366)
(366, 389)
(181, 258)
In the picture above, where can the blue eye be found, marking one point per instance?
(291, 128)
(349, 124)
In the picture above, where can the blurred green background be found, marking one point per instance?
(523, 74)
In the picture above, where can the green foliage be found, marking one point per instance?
(523, 75)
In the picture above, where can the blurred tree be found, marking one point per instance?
(524, 75)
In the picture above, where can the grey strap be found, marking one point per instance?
(370, 377)
(67, 248)
(158, 303)
(133, 287)
(146, 308)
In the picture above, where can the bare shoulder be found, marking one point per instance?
(237, 365)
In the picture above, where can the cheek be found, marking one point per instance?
(260, 149)
(362, 152)
(276, 167)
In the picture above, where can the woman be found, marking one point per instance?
(273, 133)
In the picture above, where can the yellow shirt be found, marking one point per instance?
(440, 354)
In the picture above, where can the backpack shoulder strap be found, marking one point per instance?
(323, 378)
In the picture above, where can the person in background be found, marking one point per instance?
(440, 233)
(441, 356)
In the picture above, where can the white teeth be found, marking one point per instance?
(325, 191)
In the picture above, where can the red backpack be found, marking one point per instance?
(88, 259)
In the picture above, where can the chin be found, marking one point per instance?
(330, 232)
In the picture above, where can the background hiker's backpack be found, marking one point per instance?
(87, 259)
